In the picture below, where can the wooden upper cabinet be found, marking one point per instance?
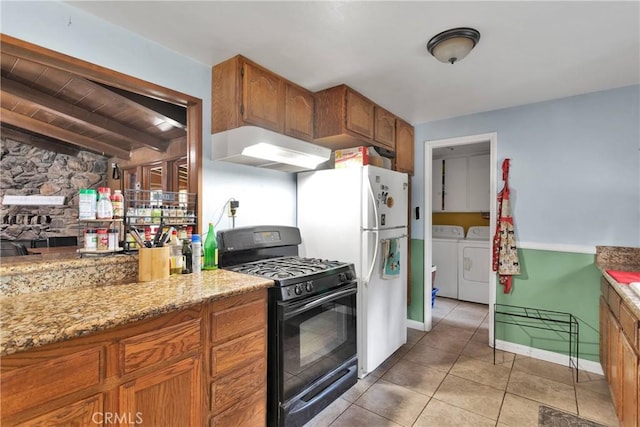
(385, 128)
(299, 112)
(404, 146)
(344, 118)
(359, 114)
(244, 93)
(262, 97)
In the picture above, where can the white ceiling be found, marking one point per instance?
(528, 51)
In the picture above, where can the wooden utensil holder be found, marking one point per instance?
(153, 264)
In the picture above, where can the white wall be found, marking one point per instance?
(575, 166)
(265, 196)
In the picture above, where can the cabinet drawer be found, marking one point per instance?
(153, 347)
(33, 385)
(237, 353)
(614, 302)
(629, 324)
(248, 412)
(239, 320)
(81, 413)
(238, 385)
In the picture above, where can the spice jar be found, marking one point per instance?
(103, 239)
(90, 239)
(113, 239)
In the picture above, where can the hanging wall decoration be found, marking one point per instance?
(505, 252)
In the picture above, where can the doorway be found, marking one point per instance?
(433, 150)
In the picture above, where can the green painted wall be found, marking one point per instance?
(415, 310)
(560, 281)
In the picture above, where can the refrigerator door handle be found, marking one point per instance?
(375, 213)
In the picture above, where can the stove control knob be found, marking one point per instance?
(309, 286)
(349, 275)
(298, 290)
(342, 277)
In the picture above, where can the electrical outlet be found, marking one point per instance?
(232, 208)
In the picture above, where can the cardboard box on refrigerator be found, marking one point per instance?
(357, 156)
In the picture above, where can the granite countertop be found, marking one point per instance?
(620, 258)
(628, 296)
(34, 263)
(36, 319)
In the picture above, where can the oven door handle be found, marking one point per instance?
(319, 301)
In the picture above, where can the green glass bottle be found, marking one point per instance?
(210, 250)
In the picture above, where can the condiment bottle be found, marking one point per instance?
(104, 208)
(196, 249)
(175, 254)
(117, 201)
(210, 250)
(187, 254)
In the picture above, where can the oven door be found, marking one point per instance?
(317, 336)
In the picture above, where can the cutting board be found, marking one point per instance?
(625, 277)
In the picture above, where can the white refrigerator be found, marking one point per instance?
(360, 215)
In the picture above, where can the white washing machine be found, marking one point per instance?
(445, 239)
(474, 262)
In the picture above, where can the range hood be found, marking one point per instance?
(255, 146)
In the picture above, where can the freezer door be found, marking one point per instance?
(329, 214)
(390, 192)
(382, 304)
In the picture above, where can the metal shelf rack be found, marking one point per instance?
(177, 209)
(536, 318)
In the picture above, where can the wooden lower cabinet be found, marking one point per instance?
(202, 365)
(628, 384)
(168, 397)
(619, 355)
(238, 361)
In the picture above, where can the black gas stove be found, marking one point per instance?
(312, 357)
(297, 277)
(272, 252)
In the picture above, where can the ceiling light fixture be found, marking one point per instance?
(453, 45)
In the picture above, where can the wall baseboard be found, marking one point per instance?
(548, 356)
(414, 324)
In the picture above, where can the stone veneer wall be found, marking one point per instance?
(28, 170)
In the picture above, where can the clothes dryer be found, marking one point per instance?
(445, 240)
(474, 262)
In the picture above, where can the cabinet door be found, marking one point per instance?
(167, 397)
(404, 147)
(478, 188)
(437, 192)
(262, 98)
(629, 388)
(385, 128)
(298, 115)
(455, 184)
(613, 355)
(359, 113)
(604, 337)
(86, 412)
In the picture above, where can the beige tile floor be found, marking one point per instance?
(446, 377)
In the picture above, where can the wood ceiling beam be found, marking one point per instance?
(81, 116)
(33, 125)
(38, 141)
